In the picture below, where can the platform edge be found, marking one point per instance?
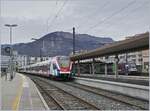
(41, 97)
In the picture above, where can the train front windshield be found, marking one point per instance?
(132, 65)
(63, 61)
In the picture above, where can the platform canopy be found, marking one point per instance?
(131, 44)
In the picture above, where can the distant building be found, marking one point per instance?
(33, 60)
(141, 59)
(22, 60)
(5, 60)
(145, 61)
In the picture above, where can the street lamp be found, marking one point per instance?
(40, 48)
(10, 26)
(11, 49)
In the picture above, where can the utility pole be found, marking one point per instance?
(11, 50)
(11, 55)
(116, 65)
(73, 40)
(126, 64)
(40, 54)
(41, 49)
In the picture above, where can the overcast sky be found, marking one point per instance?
(102, 18)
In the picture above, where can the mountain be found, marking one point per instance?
(60, 43)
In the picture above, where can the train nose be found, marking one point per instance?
(64, 69)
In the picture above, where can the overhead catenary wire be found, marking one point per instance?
(68, 29)
(50, 17)
(93, 14)
(57, 1)
(122, 17)
(61, 8)
(112, 15)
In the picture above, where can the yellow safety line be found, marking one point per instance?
(16, 101)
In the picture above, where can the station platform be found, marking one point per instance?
(20, 94)
(138, 80)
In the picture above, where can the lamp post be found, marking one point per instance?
(11, 48)
(73, 40)
(40, 48)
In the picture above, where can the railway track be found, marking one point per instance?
(142, 104)
(67, 99)
(59, 99)
(50, 100)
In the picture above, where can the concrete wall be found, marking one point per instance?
(137, 91)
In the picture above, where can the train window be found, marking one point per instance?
(54, 66)
(63, 61)
(132, 65)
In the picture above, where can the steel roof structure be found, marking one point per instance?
(134, 43)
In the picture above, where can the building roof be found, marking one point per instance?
(135, 43)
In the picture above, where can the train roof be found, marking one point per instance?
(42, 62)
(39, 63)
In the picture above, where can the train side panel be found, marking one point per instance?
(55, 67)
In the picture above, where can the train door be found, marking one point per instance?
(55, 70)
(51, 68)
(48, 69)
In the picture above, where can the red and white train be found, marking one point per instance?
(59, 67)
